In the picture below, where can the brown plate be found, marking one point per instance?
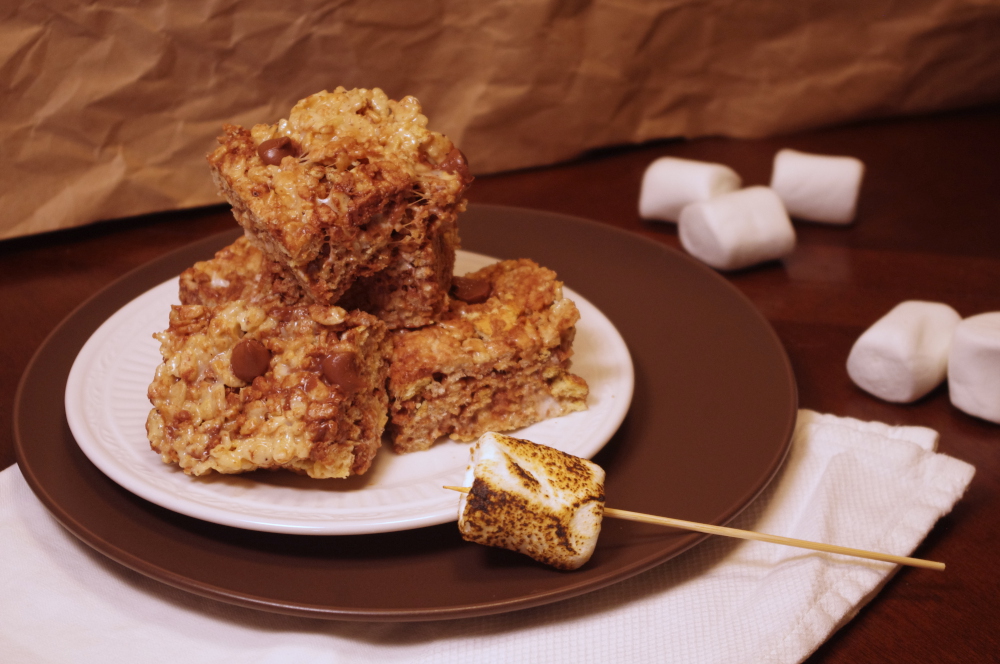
(710, 424)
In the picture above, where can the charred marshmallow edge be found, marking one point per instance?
(669, 184)
(817, 187)
(532, 499)
(904, 354)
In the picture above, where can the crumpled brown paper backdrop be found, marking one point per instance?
(109, 107)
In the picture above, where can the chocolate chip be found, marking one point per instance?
(470, 290)
(342, 370)
(272, 151)
(250, 359)
(455, 162)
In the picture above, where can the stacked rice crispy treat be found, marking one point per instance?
(337, 310)
(349, 185)
(239, 272)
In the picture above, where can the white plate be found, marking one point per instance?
(106, 407)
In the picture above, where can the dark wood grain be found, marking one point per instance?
(928, 228)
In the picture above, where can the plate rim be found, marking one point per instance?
(479, 608)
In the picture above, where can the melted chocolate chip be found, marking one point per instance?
(272, 151)
(470, 290)
(250, 359)
(342, 370)
(455, 162)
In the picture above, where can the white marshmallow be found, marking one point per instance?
(817, 187)
(671, 183)
(737, 229)
(974, 366)
(904, 355)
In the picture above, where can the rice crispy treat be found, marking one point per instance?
(245, 386)
(242, 272)
(349, 184)
(413, 290)
(239, 272)
(497, 360)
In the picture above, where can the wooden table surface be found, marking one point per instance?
(928, 228)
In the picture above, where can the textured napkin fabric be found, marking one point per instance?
(865, 485)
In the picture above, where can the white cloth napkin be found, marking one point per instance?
(865, 485)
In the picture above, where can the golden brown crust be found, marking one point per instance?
(494, 366)
(366, 175)
(292, 415)
(532, 499)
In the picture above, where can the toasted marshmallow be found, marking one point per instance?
(532, 499)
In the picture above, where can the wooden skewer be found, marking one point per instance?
(762, 537)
